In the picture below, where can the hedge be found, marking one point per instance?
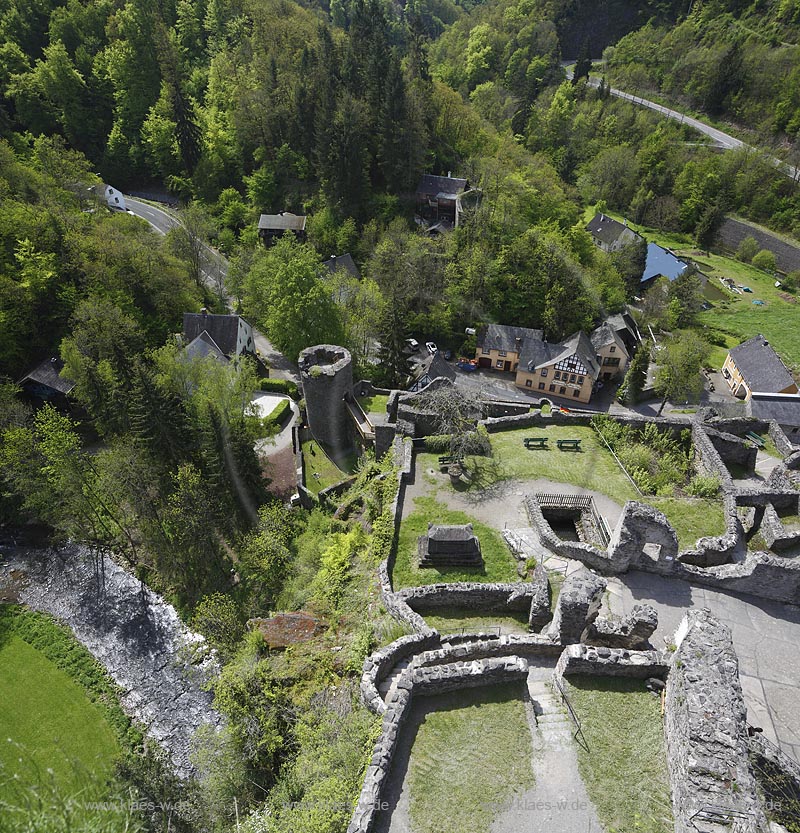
(279, 413)
(280, 386)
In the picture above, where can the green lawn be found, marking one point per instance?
(320, 470)
(454, 619)
(469, 760)
(373, 404)
(47, 722)
(498, 562)
(625, 769)
(592, 468)
(691, 518)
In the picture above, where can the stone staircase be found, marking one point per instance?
(555, 727)
(388, 685)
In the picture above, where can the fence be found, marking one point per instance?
(578, 735)
(584, 503)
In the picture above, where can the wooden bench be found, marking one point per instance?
(755, 439)
(575, 445)
(535, 442)
(447, 459)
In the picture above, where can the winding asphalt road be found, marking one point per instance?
(721, 139)
(214, 269)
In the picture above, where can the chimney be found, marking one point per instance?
(518, 343)
(204, 312)
(602, 218)
(449, 174)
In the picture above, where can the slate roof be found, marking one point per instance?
(504, 337)
(605, 335)
(605, 229)
(536, 352)
(47, 374)
(336, 262)
(204, 346)
(625, 327)
(446, 186)
(223, 329)
(760, 366)
(784, 408)
(433, 367)
(661, 262)
(284, 221)
(578, 344)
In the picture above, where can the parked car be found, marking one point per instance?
(431, 347)
(412, 344)
(467, 365)
(448, 354)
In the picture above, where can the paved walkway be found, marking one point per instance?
(766, 636)
(557, 802)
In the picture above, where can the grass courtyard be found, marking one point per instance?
(456, 620)
(591, 468)
(625, 769)
(375, 404)
(498, 562)
(469, 758)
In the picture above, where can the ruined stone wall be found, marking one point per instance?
(483, 596)
(416, 681)
(714, 551)
(706, 730)
(707, 459)
(732, 449)
(775, 534)
(781, 440)
(611, 662)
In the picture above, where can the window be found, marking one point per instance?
(544, 371)
(572, 379)
(541, 387)
(556, 375)
(552, 388)
(576, 393)
(499, 363)
(528, 383)
(486, 351)
(580, 380)
(612, 349)
(501, 352)
(609, 361)
(562, 390)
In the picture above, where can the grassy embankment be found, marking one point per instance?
(61, 725)
(625, 769)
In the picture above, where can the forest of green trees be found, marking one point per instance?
(243, 107)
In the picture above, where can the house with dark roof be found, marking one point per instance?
(610, 352)
(755, 366)
(626, 329)
(430, 368)
(438, 198)
(273, 226)
(783, 408)
(45, 383)
(499, 346)
(661, 263)
(610, 235)
(567, 370)
(226, 336)
(337, 262)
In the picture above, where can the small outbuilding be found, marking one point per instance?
(449, 546)
(273, 226)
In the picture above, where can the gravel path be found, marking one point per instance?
(158, 662)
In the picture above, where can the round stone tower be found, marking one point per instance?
(326, 373)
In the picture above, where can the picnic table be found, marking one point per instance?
(535, 442)
(575, 445)
(755, 439)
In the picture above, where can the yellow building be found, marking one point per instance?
(755, 366)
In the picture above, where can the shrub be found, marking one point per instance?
(747, 250)
(279, 413)
(765, 260)
(703, 485)
(280, 386)
(438, 443)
